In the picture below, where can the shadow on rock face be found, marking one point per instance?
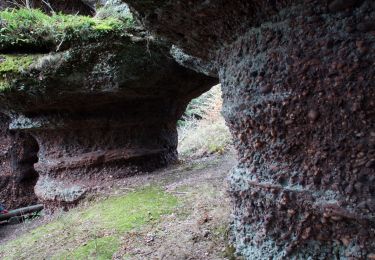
(24, 154)
(18, 177)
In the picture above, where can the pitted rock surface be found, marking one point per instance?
(298, 88)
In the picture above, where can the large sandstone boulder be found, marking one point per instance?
(104, 104)
(298, 84)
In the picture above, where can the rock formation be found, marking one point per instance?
(298, 84)
(18, 153)
(104, 105)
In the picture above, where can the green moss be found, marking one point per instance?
(15, 63)
(93, 231)
(4, 86)
(11, 66)
(98, 248)
(30, 28)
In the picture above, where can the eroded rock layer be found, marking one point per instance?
(298, 84)
(105, 108)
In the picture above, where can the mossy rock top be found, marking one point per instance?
(30, 39)
(109, 67)
(26, 30)
(75, 62)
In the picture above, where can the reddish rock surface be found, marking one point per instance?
(104, 109)
(298, 83)
(17, 175)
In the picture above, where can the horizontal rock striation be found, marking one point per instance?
(298, 88)
(102, 108)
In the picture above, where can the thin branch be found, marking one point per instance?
(49, 6)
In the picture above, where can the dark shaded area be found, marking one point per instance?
(17, 174)
(24, 154)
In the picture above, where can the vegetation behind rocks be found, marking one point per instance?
(202, 130)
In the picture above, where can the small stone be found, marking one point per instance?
(345, 241)
(313, 115)
(266, 89)
(291, 212)
(258, 144)
(306, 233)
(371, 256)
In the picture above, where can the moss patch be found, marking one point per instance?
(92, 231)
(4, 86)
(11, 65)
(15, 63)
(98, 248)
(32, 29)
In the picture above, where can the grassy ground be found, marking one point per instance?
(181, 213)
(92, 231)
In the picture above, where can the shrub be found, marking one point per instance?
(202, 130)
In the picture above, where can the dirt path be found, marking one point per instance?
(197, 229)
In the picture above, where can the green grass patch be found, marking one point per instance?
(93, 231)
(33, 29)
(98, 248)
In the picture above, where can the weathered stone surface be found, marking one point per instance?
(105, 108)
(298, 83)
(17, 175)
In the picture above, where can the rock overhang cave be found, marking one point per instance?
(298, 87)
(102, 101)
